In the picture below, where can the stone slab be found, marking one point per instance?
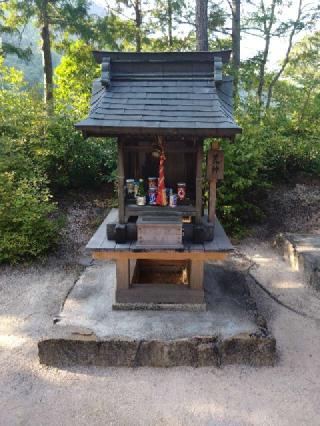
(302, 251)
(89, 332)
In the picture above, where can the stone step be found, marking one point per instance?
(89, 331)
(302, 252)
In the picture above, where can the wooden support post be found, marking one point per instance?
(199, 182)
(196, 275)
(121, 177)
(213, 192)
(123, 273)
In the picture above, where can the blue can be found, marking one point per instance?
(173, 200)
(152, 194)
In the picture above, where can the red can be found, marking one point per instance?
(181, 191)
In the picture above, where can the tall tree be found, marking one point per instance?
(7, 45)
(136, 7)
(267, 21)
(46, 51)
(235, 10)
(51, 17)
(285, 62)
(167, 14)
(138, 22)
(202, 24)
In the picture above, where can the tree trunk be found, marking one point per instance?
(286, 59)
(46, 56)
(202, 24)
(235, 43)
(267, 34)
(170, 37)
(138, 22)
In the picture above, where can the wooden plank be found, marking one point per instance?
(196, 247)
(164, 255)
(151, 149)
(123, 247)
(129, 58)
(212, 199)
(121, 177)
(134, 210)
(100, 235)
(154, 232)
(123, 273)
(213, 191)
(99, 243)
(221, 242)
(160, 293)
(196, 274)
(199, 183)
(107, 245)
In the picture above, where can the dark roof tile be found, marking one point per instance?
(139, 102)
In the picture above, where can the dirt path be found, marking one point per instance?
(30, 394)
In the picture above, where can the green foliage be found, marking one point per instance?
(277, 143)
(242, 187)
(40, 155)
(27, 228)
(73, 79)
(72, 161)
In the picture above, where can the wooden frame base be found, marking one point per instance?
(158, 293)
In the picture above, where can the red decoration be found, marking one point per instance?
(161, 196)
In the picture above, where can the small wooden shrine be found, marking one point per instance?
(161, 107)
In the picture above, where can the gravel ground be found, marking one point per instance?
(31, 394)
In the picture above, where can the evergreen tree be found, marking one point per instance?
(52, 17)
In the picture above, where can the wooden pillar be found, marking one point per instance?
(123, 273)
(196, 275)
(121, 177)
(199, 182)
(213, 191)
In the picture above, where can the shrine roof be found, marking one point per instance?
(161, 93)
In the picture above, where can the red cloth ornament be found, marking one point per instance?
(161, 196)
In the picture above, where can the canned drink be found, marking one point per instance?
(130, 187)
(181, 191)
(152, 194)
(152, 182)
(164, 197)
(136, 187)
(173, 200)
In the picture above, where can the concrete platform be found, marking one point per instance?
(302, 251)
(90, 332)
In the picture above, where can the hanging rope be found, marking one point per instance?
(161, 196)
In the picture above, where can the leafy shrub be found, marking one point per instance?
(238, 194)
(27, 228)
(71, 161)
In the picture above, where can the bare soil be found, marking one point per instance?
(291, 208)
(287, 394)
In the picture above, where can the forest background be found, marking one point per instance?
(46, 71)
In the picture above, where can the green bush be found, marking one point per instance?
(27, 226)
(71, 161)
